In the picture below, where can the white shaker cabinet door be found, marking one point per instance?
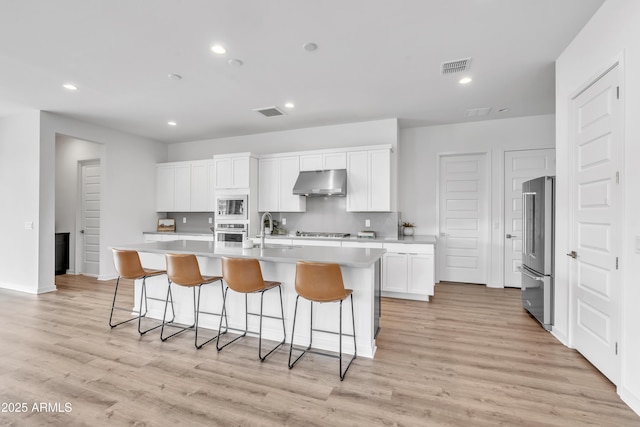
(268, 185)
(420, 274)
(165, 188)
(394, 267)
(357, 181)
(289, 169)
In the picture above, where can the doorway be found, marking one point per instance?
(88, 233)
(596, 138)
(520, 166)
(463, 243)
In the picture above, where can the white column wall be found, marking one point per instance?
(612, 33)
(420, 149)
(20, 181)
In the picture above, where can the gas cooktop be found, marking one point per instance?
(322, 234)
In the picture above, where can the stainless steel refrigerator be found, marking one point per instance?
(537, 268)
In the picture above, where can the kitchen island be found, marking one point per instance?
(360, 270)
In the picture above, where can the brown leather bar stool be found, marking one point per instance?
(244, 275)
(184, 270)
(128, 266)
(321, 282)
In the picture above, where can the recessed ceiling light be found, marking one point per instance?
(465, 80)
(503, 110)
(219, 49)
(289, 105)
(172, 123)
(70, 86)
(174, 76)
(236, 62)
(309, 46)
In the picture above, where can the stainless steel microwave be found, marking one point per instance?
(232, 208)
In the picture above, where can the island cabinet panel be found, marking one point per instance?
(408, 271)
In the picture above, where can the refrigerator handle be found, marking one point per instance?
(524, 222)
(529, 275)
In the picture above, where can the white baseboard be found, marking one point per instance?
(21, 288)
(47, 289)
(560, 336)
(107, 277)
(631, 399)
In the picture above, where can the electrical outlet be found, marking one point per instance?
(184, 219)
(367, 223)
(284, 221)
(210, 220)
(28, 225)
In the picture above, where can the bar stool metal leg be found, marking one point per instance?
(293, 329)
(197, 316)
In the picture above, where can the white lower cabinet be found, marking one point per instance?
(408, 271)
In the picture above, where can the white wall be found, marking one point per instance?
(70, 151)
(419, 156)
(127, 183)
(612, 33)
(20, 180)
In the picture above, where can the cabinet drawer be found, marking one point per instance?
(408, 248)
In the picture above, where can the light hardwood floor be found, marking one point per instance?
(470, 357)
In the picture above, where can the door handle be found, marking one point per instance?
(511, 236)
(573, 254)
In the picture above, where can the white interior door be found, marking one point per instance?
(464, 218)
(520, 166)
(90, 217)
(595, 280)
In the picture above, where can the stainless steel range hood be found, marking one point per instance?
(321, 183)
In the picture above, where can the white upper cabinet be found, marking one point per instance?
(276, 178)
(200, 189)
(173, 187)
(232, 172)
(165, 187)
(182, 193)
(369, 181)
(314, 162)
(183, 186)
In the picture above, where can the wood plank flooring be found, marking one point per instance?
(470, 357)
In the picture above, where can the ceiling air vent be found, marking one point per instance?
(269, 111)
(478, 112)
(456, 66)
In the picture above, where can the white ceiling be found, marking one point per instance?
(376, 59)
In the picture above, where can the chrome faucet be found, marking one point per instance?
(264, 215)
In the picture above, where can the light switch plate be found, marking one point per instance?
(284, 221)
(184, 219)
(210, 220)
(367, 223)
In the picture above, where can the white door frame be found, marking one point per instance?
(571, 267)
(79, 247)
(488, 176)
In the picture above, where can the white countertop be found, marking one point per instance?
(348, 257)
(417, 239)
